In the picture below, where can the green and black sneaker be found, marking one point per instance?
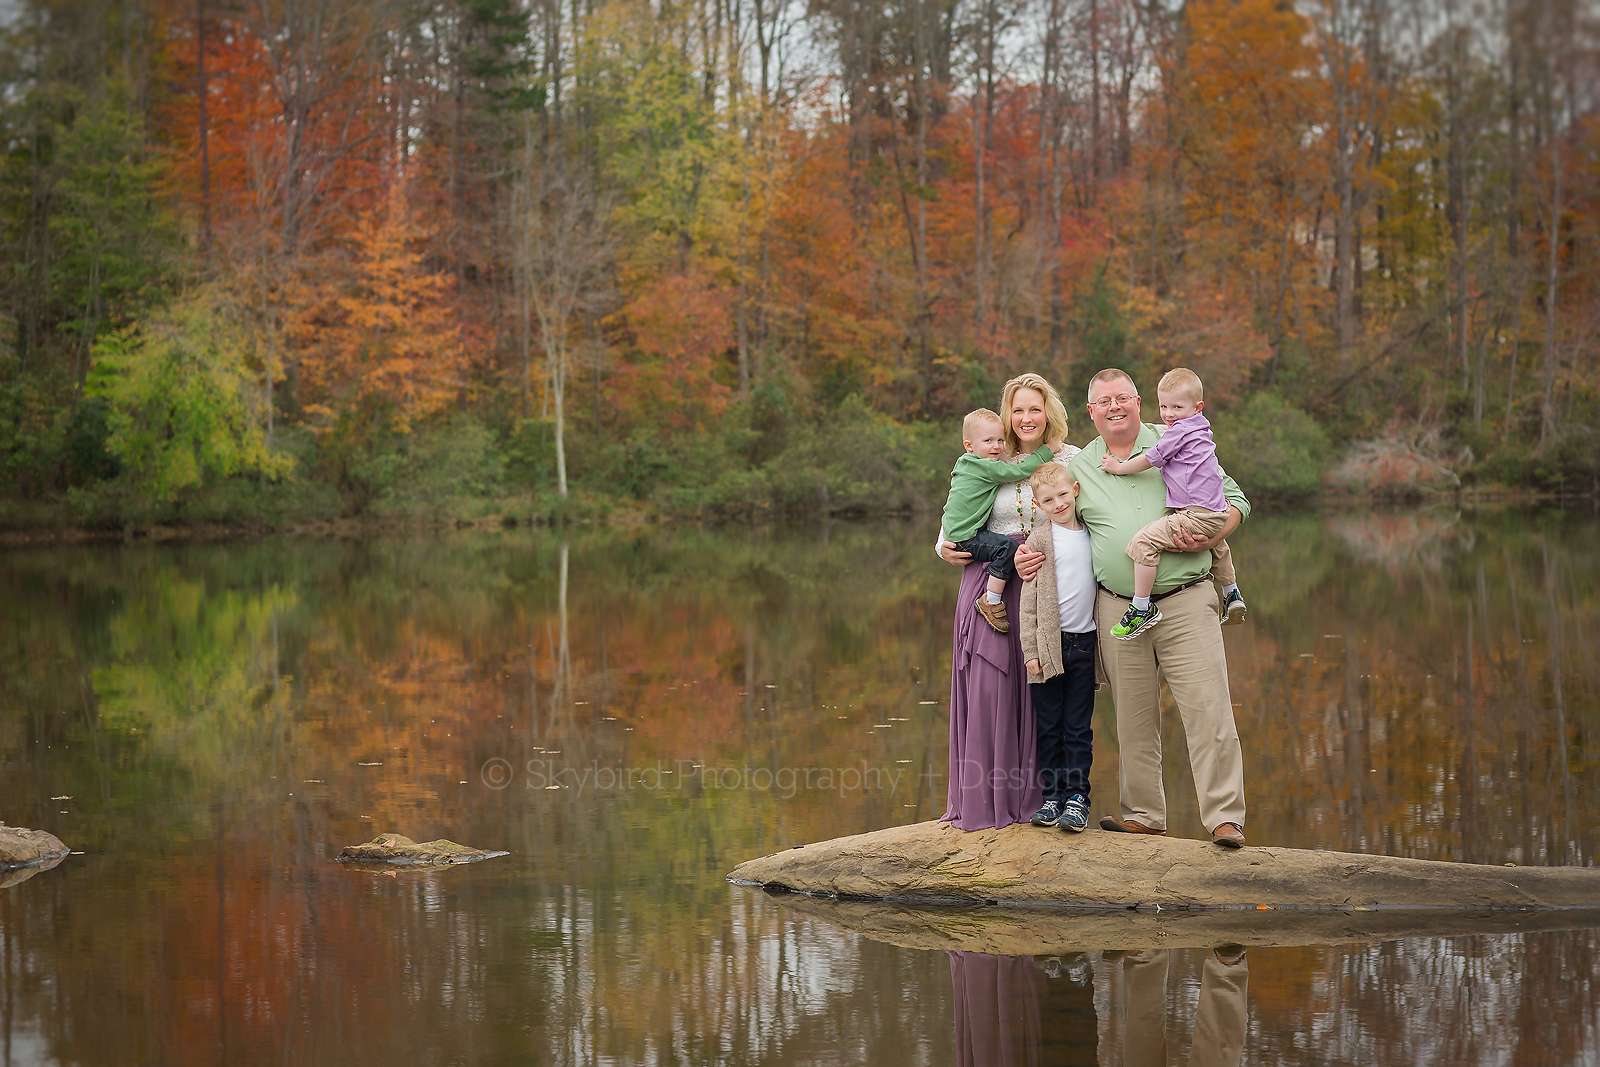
(1232, 609)
(1135, 622)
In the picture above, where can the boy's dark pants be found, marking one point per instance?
(997, 550)
(1063, 716)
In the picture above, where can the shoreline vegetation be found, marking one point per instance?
(48, 527)
(481, 260)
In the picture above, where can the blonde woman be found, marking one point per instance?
(993, 751)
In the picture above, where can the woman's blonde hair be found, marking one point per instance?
(1055, 413)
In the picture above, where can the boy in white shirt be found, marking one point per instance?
(1058, 644)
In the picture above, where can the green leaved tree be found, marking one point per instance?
(184, 407)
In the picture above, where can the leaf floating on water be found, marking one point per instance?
(1265, 907)
(60, 798)
(369, 765)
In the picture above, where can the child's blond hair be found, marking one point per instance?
(1182, 380)
(1052, 472)
(975, 418)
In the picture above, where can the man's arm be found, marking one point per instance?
(1238, 511)
(1230, 489)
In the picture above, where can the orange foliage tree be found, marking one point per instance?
(379, 343)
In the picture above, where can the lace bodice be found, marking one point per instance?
(1013, 511)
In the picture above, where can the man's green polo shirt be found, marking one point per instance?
(1115, 507)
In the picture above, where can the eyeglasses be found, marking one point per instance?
(1105, 401)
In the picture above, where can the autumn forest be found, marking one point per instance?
(269, 260)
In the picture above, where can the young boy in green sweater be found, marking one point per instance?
(977, 475)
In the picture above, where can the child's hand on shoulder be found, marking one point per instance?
(1034, 668)
(1110, 464)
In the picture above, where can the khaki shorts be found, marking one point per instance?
(1158, 537)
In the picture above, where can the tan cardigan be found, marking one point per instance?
(1041, 614)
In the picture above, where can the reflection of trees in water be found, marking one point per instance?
(1437, 714)
(163, 688)
(1400, 540)
(1528, 999)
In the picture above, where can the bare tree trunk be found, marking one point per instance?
(1456, 206)
(565, 257)
(1547, 410)
(558, 372)
(1094, 101)
(205, 146)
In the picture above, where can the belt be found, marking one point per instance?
(1159, 596)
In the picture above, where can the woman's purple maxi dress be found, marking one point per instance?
(992, 744)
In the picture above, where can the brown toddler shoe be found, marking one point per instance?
(993, 614)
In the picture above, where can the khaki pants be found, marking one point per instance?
(1158, 537)
(1221, 1018)
(1185, 647)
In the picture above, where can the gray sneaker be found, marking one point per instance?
(1233, 609)
(1074, 814)
(1047, 815)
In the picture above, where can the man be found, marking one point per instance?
(1186, 648)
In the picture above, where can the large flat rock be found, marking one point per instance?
(933, 863)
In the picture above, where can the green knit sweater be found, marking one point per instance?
(973, 483)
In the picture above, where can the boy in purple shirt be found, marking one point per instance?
(1187, 458)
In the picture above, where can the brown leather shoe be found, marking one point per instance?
(993, 614)
(1228, 835)
(1127, 826)
(1229, 955)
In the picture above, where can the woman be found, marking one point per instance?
(992, 745)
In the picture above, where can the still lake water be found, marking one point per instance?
(633, 714)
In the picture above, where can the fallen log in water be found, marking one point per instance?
(934, 863)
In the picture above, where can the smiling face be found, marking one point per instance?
(1114, 408)
(1057, 500)
(1028, 418)
(1177, 404)
(988, 440)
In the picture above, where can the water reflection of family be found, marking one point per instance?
(1013, 1010)
(1122, 548)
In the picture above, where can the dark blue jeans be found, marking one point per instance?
(997, 550)
(1063, 715)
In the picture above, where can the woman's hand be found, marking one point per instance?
(948, 553)
(1028, 562)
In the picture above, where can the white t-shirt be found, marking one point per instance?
(1074, 579)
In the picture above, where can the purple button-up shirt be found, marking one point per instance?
(1186, 455)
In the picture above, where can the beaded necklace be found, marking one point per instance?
(1026, 521)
